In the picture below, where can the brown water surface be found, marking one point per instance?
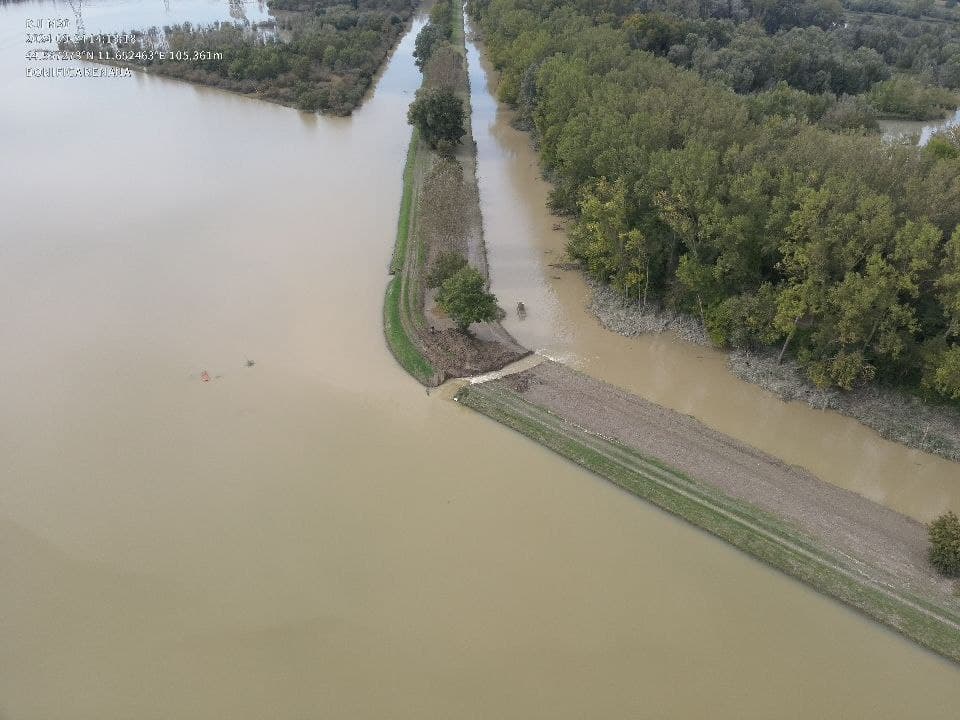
(313, 536)
(522, 244)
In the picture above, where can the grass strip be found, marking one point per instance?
(752, 530)
(406, 203)
(395, 304)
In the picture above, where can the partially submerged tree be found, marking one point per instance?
(945, 544)
(465, 298)
(439, 116)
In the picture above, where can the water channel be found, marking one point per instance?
(314, 536)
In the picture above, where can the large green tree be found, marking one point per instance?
(774, 218)
(465, 298)
(439, 116)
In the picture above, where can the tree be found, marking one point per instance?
(943, 371)
(441, 17)
(941, 149)
(447, 264)
(945, 544)
(426, 42)
(465, 298)
(773, 217)
(438, 114)
(948, 283)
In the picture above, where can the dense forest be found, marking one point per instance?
(762, 207)
(320, 54)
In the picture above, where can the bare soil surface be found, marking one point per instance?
(888, 547)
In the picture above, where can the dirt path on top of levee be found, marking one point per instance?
(848, 523)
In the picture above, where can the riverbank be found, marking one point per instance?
(840, 543)
(895, 415)
(440, 212)
(312, 57)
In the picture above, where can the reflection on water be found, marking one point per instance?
(103, 16)
(923, 129)
(313, 536)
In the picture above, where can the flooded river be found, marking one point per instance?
(313, 536)
(522, 244)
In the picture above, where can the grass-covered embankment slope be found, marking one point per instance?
(745, 526)
(397, 318)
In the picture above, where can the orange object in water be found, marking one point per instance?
(205, 376)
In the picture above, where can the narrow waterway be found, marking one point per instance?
(523, 244)
(924, 130)
(314, 536)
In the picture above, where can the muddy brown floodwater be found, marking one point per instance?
(313, 536)
(924, 130)
(522, 244)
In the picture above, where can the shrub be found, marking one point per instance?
(945, 544)
(465, 298)
(447, 264)
(941, 148)
(905, 96)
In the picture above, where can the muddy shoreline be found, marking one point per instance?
(895, 415)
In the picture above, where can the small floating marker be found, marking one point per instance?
(205, 376)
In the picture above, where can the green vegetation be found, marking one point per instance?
(447, 264)
(431, 212)
(744, 526)
(940, 146)
(397, 321)
(428, 38)
(763, 214)
(464, 297)
(436, 32)
(945, 544)
(406, 207)
(325, 62)
(903, 96)
(439, 116)
(816, 46)
(438, 110)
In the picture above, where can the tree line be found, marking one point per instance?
(831, 247)
(320, 55)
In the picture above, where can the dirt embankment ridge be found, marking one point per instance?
(440, 212)
(841, 543)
